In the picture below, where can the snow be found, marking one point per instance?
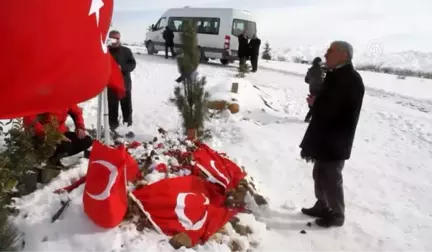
(387, 181)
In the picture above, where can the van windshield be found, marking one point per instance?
(240, 25)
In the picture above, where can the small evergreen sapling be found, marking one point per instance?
(243, 70)
(266, 55)
(9, 233)
(21, 156)
(190, 97)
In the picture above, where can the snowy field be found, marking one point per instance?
(387, 182)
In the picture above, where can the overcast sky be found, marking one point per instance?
(394, 24)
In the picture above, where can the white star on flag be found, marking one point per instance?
(95, 7)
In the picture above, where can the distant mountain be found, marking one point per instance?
(409, 60)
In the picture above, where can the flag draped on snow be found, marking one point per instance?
(55, 54)
(217, 168)
(192, 204)
(186, 204)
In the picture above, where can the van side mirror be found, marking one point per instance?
(153, 27)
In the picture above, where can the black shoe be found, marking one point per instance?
(330, 220)
(56, 163)
(113, 126)
(130, 134)
(316, 211)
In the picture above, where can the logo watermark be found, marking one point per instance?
(374, 48)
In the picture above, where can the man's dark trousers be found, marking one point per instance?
(328, 180)
(113, 107)
(254, 63)
(171, 47)
(242, 61)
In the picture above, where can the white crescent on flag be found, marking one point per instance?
(111, 181)
(181, 215)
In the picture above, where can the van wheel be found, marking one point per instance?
(150, 48)
(224, 62)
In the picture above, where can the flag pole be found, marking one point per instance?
(105, 117)
(99, 118)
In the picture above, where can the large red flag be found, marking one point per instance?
(184, 204)
(105, 194)
(54, 54)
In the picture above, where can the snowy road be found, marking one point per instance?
(387, 181)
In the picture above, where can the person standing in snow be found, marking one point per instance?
(243, 49)
(168, 36)
(330, 135)
(314, 77)
(126, 62)
(71, 143)
(254, 46)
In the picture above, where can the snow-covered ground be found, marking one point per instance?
(387, 181)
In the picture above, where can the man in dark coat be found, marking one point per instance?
(254, 46)
(329, 137)
(243, 49)
(314, 77)
(168, 36)
(126, 62)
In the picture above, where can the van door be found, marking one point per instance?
(238, 27)
(157, 34)
(176, 24)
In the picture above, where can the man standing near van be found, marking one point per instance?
(168, 35)
(243, 49)
(254, 46)
(126, 62)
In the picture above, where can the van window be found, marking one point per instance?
(159, 24)
(240, 25)
(176, 24)
(202, 25)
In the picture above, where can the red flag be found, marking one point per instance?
(116, 80)
(55, 54)
(132, 169)
(105, 194)
(219, 170)
(184, 204)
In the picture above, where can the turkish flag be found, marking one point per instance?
(219, 169)
(184, 204)
(54, 54)
(105, 195)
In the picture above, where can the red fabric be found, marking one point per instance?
(134, 145)
(132, 169)
(105, 194)
(161, 167)
(72, 187)
(53, 55)
(180, 204)
(219, 169)
(116, 81)
(60, 116)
